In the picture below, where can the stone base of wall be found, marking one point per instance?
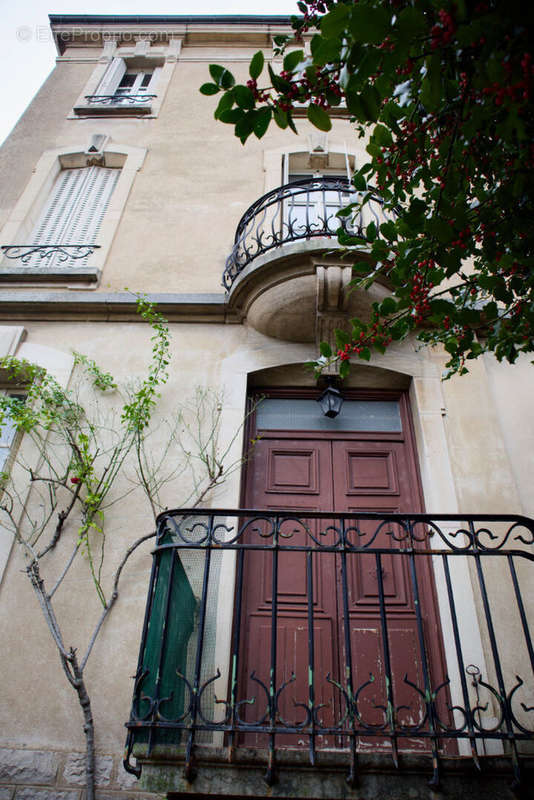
(49, 775)
(216, 777)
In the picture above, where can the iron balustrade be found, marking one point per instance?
(192, 683)
(60, 252)
(300, 210)
(118, 99)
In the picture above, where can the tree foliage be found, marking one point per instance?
(441, 92)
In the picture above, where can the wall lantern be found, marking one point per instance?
(331, 398)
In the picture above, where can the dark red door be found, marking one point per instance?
(340, 472)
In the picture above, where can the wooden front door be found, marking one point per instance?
(340, 471)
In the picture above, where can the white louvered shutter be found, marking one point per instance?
(112, 77)
(87, 215)
(73, 213)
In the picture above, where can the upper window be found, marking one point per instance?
(129, 80)
(124, 85)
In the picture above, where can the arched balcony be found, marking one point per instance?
(279, 243)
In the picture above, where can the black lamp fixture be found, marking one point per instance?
(331, 398)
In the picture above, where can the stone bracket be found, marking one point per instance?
(332, 300)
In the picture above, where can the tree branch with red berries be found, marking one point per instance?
(442, 91)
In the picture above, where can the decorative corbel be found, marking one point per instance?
(332, 299)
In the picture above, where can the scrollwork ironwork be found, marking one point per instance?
(61, 252)
(381, 706)
(303, 209)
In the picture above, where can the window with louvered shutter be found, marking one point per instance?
(124, 83)
(73, 213)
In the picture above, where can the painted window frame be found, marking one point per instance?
(28, 209)
(113, 64)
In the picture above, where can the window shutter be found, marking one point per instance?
(86, 217)
(150, 89)
(285, 169)
(74, 212)
(112, 77)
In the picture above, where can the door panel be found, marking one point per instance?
(289, 476)
(323, 472)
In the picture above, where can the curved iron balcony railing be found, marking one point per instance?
(303, 209)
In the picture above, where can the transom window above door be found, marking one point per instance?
(306, 414)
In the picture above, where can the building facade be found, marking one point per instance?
(324, 638)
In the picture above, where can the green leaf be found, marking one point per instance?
(293, 59)
(365, 353)
(256, 65)
(369, 24)
(334, 23)
(359, 182)
(324, 51)
(355, 106)
(410, 22)
(261, 123)
(245, 126)
(325, 349)
(216, 72)
(342, 338)
(231, 116)
(388, 306)
(371, 232)
(225, 104)
(344, 369)
(382, 136)
(431, 87)
(280, 117)
(209, 88)
(389, 230)
(278, 83)
(243, 97)
(370, 101)
(221, 76)
(319, 117)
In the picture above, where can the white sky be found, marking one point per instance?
(27, 51)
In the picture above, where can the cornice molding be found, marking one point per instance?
(87, 306)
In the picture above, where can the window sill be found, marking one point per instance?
(62, 275)
(103, 110)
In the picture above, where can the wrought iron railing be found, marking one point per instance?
(433, 649)
(300, 210)
(118, 99)
(39, 254)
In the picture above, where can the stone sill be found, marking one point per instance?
(99, 110)
(217, 776)
(65, 276)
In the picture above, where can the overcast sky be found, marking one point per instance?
(27, 51)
